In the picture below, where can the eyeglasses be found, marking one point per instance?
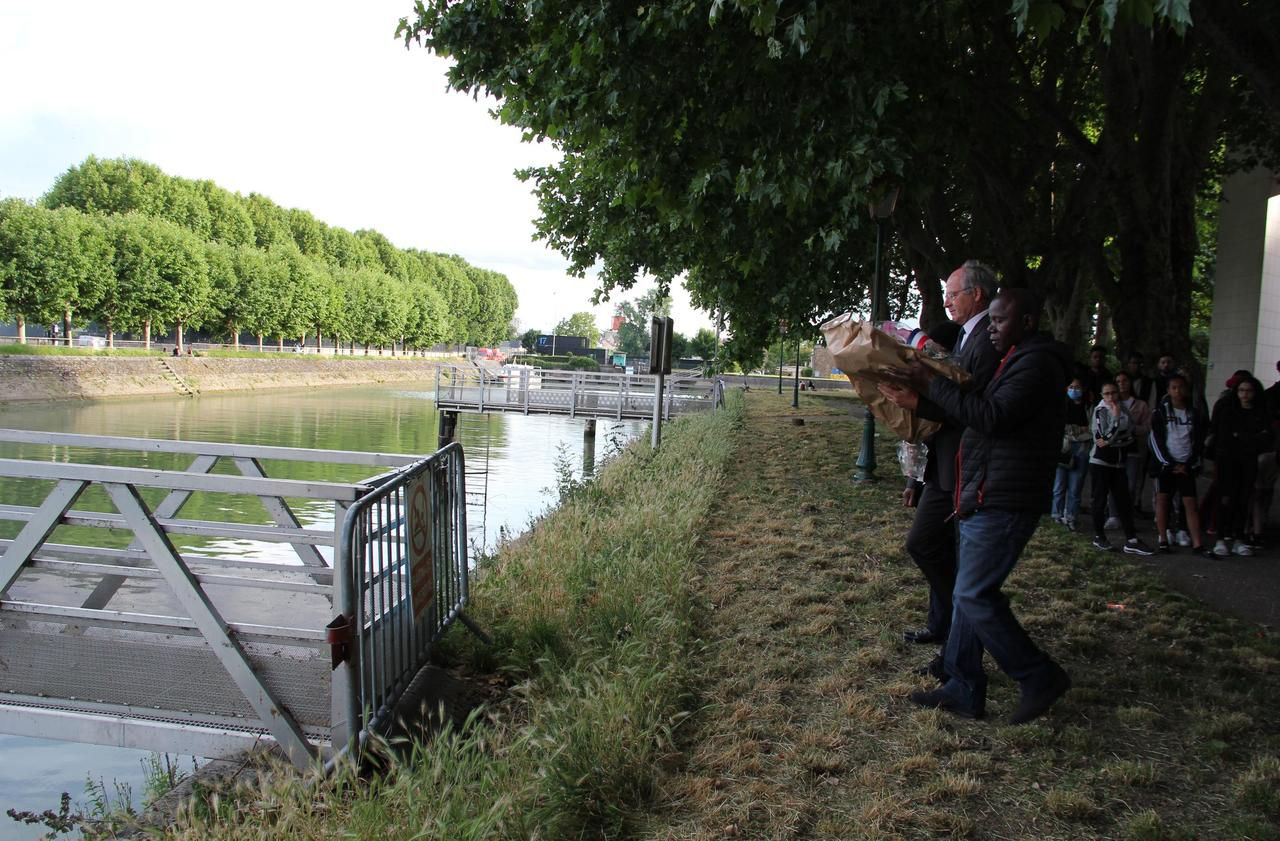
(951, 296)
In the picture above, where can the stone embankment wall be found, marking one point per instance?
(72, 377)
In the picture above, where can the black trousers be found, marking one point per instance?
(1111, 481)
(931, 543)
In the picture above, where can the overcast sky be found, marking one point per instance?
(313, 104)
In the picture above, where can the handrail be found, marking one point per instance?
(159, 445)
(146, 478)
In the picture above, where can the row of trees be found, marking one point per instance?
(121, 243)
(1078, 147)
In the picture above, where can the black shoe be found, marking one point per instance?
(1163, 548)
(1134, 546)
(1035, 703)
(936, 699)
(1100, 542)
(934, 667)
(923, 636)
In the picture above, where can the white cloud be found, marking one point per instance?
(313, 104)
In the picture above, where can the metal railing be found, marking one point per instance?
(403, 581)
(204, 653)
(570, 393)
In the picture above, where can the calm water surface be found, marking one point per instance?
(511, 465)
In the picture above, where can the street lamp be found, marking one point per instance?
(782, 344)
(881, 208)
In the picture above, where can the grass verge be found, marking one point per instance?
(804, 730)
(593, 626)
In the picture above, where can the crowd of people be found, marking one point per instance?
(1021, 437)
(1124, 429)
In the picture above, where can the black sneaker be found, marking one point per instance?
(1163, 548)
(1134, 546)
(1100, 542)
(1202, 552)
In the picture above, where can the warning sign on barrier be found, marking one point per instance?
(421, 561)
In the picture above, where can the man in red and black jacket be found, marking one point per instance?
(1008, 455)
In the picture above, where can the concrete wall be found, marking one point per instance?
(1246, 301)
(70, 377)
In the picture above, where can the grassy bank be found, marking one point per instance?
(592, 619)
(804, 730)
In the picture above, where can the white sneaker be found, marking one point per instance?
(1184, 539)
(1168, 536)
(1242, 549)
(1220, 549)
(1112, 523)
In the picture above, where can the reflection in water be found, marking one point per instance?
(518, 453)
(511, 460)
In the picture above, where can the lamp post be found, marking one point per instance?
(880, 208)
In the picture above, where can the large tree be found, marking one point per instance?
(580, 324)
(743, 146)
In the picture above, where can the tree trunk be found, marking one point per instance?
(259, 343)
(66, 325)
(22, 330)
(178, 334)
(235, 336)
(111, 337)
(280, 342)
(146, 334)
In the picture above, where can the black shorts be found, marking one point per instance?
(1174, 484)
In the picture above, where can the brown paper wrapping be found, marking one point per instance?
(866, 354)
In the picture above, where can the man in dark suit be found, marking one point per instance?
(932, 539)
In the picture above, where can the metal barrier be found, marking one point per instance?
(198, 653)
(402, 581)
(570, 393)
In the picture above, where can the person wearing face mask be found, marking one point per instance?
(1113, 432)
(1075, 457)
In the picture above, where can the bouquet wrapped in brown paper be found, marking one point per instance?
(867, 355)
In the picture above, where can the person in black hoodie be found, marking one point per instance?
(1241, 431)
(1006, 463)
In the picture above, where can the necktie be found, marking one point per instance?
(960, 340)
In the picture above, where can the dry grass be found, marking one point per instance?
(804, 730)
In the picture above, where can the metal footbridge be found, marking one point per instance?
(582, 394)
(112, 634)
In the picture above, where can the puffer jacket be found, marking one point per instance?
(1013, 429)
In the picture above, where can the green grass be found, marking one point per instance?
(48, 350)
(592, 618)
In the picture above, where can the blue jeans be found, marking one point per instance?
(1067, 483)
(990, 544)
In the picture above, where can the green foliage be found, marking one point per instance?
(703, 344)
(580, 324)
(742, 144)
(582, 363)
(121, 242)
(529, 339)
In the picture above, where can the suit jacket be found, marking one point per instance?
(979, 358)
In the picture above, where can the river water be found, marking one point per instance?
(513, 462)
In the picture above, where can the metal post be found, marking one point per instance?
(795, 391)
(781, 346)
(448, 428)
(657, 412)
(589, 449)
